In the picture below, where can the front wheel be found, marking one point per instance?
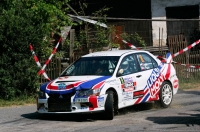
(109, 106)
(166, 94)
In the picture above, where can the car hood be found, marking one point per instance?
(69, 84)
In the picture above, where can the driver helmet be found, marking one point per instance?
(124, 65)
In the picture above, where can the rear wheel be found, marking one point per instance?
(166, 94)
(109, 106)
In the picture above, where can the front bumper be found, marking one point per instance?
(71, 105)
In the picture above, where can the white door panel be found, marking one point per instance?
(141, 79)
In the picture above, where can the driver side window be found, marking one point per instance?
(128, 65)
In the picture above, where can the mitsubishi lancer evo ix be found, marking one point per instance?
(110, 80)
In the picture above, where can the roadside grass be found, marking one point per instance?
(192, 85)
(22, 100)
(29, 100)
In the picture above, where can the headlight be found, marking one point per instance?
(88, 92)
(41, 95)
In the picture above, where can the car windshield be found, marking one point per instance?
(102, 66)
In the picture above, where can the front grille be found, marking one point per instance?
(56, 96)
(59, 103)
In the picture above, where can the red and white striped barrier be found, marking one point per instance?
(50, 57)
(42, 71)
(187, 65)
(129, 44)
(37, 62)
(174, 55)
(182, 51)
(187, 48)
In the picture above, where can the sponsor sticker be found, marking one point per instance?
(128, 83)
(128, 89)
(100, 101)
(127, 96)
(71, 68)
(155, 81)
(111, 81)
(61, 86)
(175, 83)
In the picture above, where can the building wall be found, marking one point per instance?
(159, 12)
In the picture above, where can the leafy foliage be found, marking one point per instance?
(92, 36)
(135, 37)
(23, 22)
(31, 21)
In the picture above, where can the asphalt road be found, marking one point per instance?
(183, 115)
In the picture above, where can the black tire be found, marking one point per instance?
(166, 95)
(109, 106)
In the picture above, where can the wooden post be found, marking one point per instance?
(59, 66)
(71, 49)
(159, 41)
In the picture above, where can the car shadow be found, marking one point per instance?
(90, 117)
(193, 92)
(184, 118)
(86, 117)
(138, 107)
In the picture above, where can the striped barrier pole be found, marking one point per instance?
(187, 48)
(50, 57)
(174, 55)
(37, 62)
(187, 65)
(181, 51)
(129, 44)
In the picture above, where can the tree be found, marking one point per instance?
(23, 22)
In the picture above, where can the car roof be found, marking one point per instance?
(112, 53)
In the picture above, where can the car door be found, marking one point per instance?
(127, 79)
(146, 66)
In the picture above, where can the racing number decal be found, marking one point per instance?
(141, 58)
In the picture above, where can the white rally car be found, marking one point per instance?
(107, 81)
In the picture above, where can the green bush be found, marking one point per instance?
(23, 22)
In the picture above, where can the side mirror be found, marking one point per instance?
(120, 72)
